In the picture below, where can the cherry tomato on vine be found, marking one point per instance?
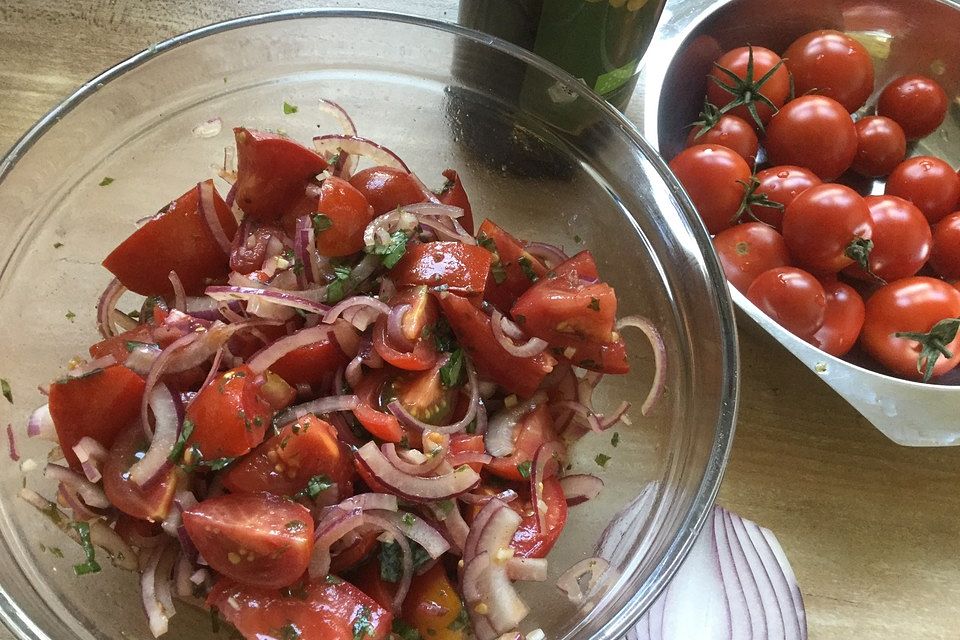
(792, 297)
(826, 228)
(881, 146)
(842, 319)
(713, 177)
(917, 103)
(830, 63)
(928, 182)
(749, 249)
(815, 132)
(728, 131)
(753, 76)
(901, 239)
(945, 253)
(781, 185)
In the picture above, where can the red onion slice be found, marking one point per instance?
(450, 230)
(748, 582)
(182, 572)
(741, 623)
(158, 618)
(319, 407)
(209, 210)
(331, 144)
(578, 409)
(40, 425)
(580, 487)
(12, 444)
(430, 463)
(339, 114)
(395, 328)
(106, 306)
(570, 580)
(369, 302)
(156, 370)
(546, 463)
(209, 128)
(304, 248)
(506, 609)
(269, 355)
(165, 429)
(779, 558)
(179, 295)
(414, 488)
(409, 420)
(659, 357)
(499, 436)
(527, 569)
(530, 348)
(417, 529)
(509, 495)
(367, 501)
(550, 255)
(91, 494)
(68, 498)
(619, 415)
(434, 210)
(93, 365)
(453, 521)
(469, 457)
(271, 296)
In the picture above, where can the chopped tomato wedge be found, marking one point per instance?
(529, 541)
(465, 442)
(422, 394)
(432, 606)
(324, 609)
(99, 405)
(533, 429)
(229, 416)
(119, 346)
(312, 363)
(150, 502)
(420, 317)
(461, 268)
(285, 463)
(258, 539)
(455, 195)
(176, 239)
(472, 328)
(347, 215)
(513, 271)
(272, 172)
(379, 423)
(387, 188)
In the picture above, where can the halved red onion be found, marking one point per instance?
(91, 494)
(369, 302)
(319, 407)
(659, 357)
(551, 255)
(179, 295)
(408, 419)
(414, 488)
(367, 501)
(266, 357)
(12, 444)
(209, 210)
(395, 331)
(430, 463)
(355, 145)
(87, 368)
(580, 487)
(499, 436)
(527, 569)
(530, 348)
(107, 304)
(272, 296)
(546, 463)
(570, 580)
(166, 427)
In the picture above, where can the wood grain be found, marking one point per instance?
(872, 529)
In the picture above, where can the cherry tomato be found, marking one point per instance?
(415, 325)
(945, 254)
(324, 609)
(531, 431)
(901, 239)
(913, 305)
(776, 88)
(387, 188)
(513, 270)
(781, 185)
(229, 416)
(150, 502)
(825, 225)
(713, 177)
(433, 605)
(749, 249)
(842, 320)
(348, 213)
(529, 541)
(422, 394)
(832, 64)
(361, 549)
(462, 268)
(176, 239)
(455, 195)
(881, 146)
(917, 103)
(928, 182)
(815, 132)
(370, 413)
(792, 297)
(731, 132)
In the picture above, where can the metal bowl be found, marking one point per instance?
(435, 93)
(902, 36)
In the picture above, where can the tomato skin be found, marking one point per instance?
(349, 214)
(945, 254)
(821, 223)
(380, 424)
(911, 304)
(177, 239)
(510, 252)
(881, 146)
(229, 416)
(781, 184)
(749, 249)
(99, 405)
(928, 182)
(455, 195)
(529, 541)
(731, 132)
(901, 239)
(422, 314)
(832, 64)
(324, 609)
(313, 363)
(776, 88)
(387, 188)
(462, 268)
(842, 320)
(151, 502)
(917, 103)
(712, 176)
(532, 430)
(792, 297)
(815, 132)
(433, 604)
(272, 172)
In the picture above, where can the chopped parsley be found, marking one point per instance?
(289, 108)
(289, 631)
(594, 304)
(57, 245)
(602, 459)
(70, 315)
(524, 468)
(407, 519)
(106, 181)
(56, 552)
(486, 242)
(177, 452)
(90, 566)
(5, 388)
(295, 526)
(446, 506)
(615, 440)
(577, 239)
(498, 272)
(451, 373)
(392, 250)
(336, 289)
(391, 559)
(321, 222)
(443, 336)
(362, 627)
(315, 486)
(527, 267)
(404, 631)
(461, 622)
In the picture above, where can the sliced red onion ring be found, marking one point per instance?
(107, 304)
(470, 580)
(409, 420)
(508, 495)
(469, 457)
(91, 494)
(209, 210)
(417, 529)
(340, 114)
(68, 498)
(451, 518)
(272, 296)
(499, 436)
(434, 210)
(158, 618)
(580, 487)
(304, 248)
(570, 580)
(527, 569)
(505, 608)
(12, 444)
(471, 546)
(165, 430)
(269, 355)
(382, 226)
(550, 255)
(530, 348)
(156, 370)
(578, 409)
(414, 488)
(355, 145)
(367, 501)
(659, 357)
(355, 301)
(93, 365)
(546, 463)
(619, 415)
(319, 407)
(431, 462)
(179, 295)
(450, 230)
(395, 331)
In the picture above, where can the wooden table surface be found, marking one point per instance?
(872, 528)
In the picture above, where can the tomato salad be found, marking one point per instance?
(338, 411)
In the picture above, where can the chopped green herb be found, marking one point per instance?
(362, 627)
(486, 242)
(70, 315)
(392, 250)
(446, 506)
(135, 314)
(391, 559)
(315, 486)
(5, 388)
(133, 345)
(498, 272)
(57, 245)
(289, 632)
(527, 267)
(289, 108)
(461, 622)
(56, 552)
(177, 452)
(336, 289)
(407, 519)
(218, 464)
(594, 304)
(615, 440)
(106, 181)
(602, 459)
(294, 526)
(404, 631)
(578, 239)
(90, 566)
(443, 336)
(451, 373)
(524, 468)
(321, 222)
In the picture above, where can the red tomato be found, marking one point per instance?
(776, 88)
(370, 412)
(326, 609)
(455, 195)
(945, 254)
(359, 551)
(792, 297)
(749, 249)
(815, 132)
(514, 270)
(258, 539)
(284, 464)
(387, 188)
(881, 146)
(433, 606)
(529, 541)
(911, 305)
(151, 502)
(462, 268)
(312, 363)
(463, 442)
(422, 394)
(472, 329)
(728, 131)
(349, 214)
(177, 239)
(99, 405)
(781, 185)
(116, 346)
(901, 239)
(825, 226)
(229, 417)
(272, 172)
(415, 326)
(842, 320)
(367, 578)
(928, 182)
(917, 103)
(832, 64)
(531, 431)
(713, 177)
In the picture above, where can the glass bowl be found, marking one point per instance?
(538, 154)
